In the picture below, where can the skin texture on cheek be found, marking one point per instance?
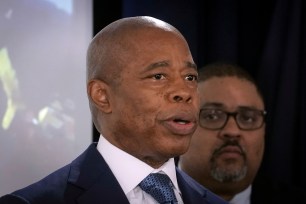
(256, 153)
(135, 123)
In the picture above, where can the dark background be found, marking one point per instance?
(267, 38)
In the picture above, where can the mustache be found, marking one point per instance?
(229, 143)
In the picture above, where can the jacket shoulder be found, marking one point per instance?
(191, 189)
(12, 199)
(58, 187)
(47, 190)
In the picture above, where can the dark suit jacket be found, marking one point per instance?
(89, 180)
(267, 191)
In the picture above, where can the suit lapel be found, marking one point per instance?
(194, 193)
(91, 181)
(190, 192)
(94, 179)
(105, 190)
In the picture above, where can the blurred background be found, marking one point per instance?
(44, 116)
(44, 112)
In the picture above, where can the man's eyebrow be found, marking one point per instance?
(247, 107)
(220, 105)
(212, 105)
(191, 65)
(157, 64)
(167, 63)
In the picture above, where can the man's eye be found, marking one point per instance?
(210, 116)
(192, 77)
(158, 76)
(248, 118)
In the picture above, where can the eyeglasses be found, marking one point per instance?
(246, 118)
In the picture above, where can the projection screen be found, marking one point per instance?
(44, 114)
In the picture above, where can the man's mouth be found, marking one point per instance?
(231, 152)
(180, 121)
(181, 125)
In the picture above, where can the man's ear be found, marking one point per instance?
(97, 91)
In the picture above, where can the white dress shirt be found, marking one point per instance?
(244, 197)
(130, 171)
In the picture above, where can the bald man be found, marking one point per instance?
(142, 91)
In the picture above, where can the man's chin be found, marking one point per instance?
(229, 173)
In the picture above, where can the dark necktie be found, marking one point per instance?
(159, 186)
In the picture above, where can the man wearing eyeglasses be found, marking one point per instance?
(228, 146)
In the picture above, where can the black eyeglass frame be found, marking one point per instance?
(234, 115)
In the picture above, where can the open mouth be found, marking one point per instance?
(180, 121)
(180, 125)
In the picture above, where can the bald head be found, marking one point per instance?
(114, 45)
(121, 47)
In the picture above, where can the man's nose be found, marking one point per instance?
(231, 128)
(181, 92)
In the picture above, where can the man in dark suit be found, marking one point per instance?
(142, 90)
(227, 148)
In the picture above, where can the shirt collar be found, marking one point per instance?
(243, 197)
(128, 170)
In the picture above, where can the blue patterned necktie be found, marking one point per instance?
(159, 186)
